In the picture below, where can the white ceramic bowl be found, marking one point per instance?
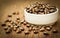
(39, 19)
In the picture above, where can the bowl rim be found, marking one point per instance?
(42, 14)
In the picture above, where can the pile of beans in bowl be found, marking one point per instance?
(40, 8)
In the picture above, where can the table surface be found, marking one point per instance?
(9, 6)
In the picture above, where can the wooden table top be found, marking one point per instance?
(9, 6)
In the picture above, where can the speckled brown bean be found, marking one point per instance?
(11, 26)
(5, 28)
(9, 15)
(30, 29)
(42, 29)
(18, 18)
(51, 10)
(15, 26)
(34, 5)
(8, 30)
(27, 8)
(35, 31)
(55, 31)
(25, 23)
(46, 11)
(34, 28)
(14, 13)
(17, 21)
(8, 20)
(46, 33)
(33, 10)
(3, 24)
(47, 5)
(26, 32)
(43, 5)
(36, 9)
(18, 31)
(14, 29)
(21, 28)
(28, 11)
(28, 25)
(41, 9)
(21, 22)
(48, 28)
(32, 25)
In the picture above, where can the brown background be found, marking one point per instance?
(10, 6)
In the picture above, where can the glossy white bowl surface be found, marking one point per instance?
(41, 19)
